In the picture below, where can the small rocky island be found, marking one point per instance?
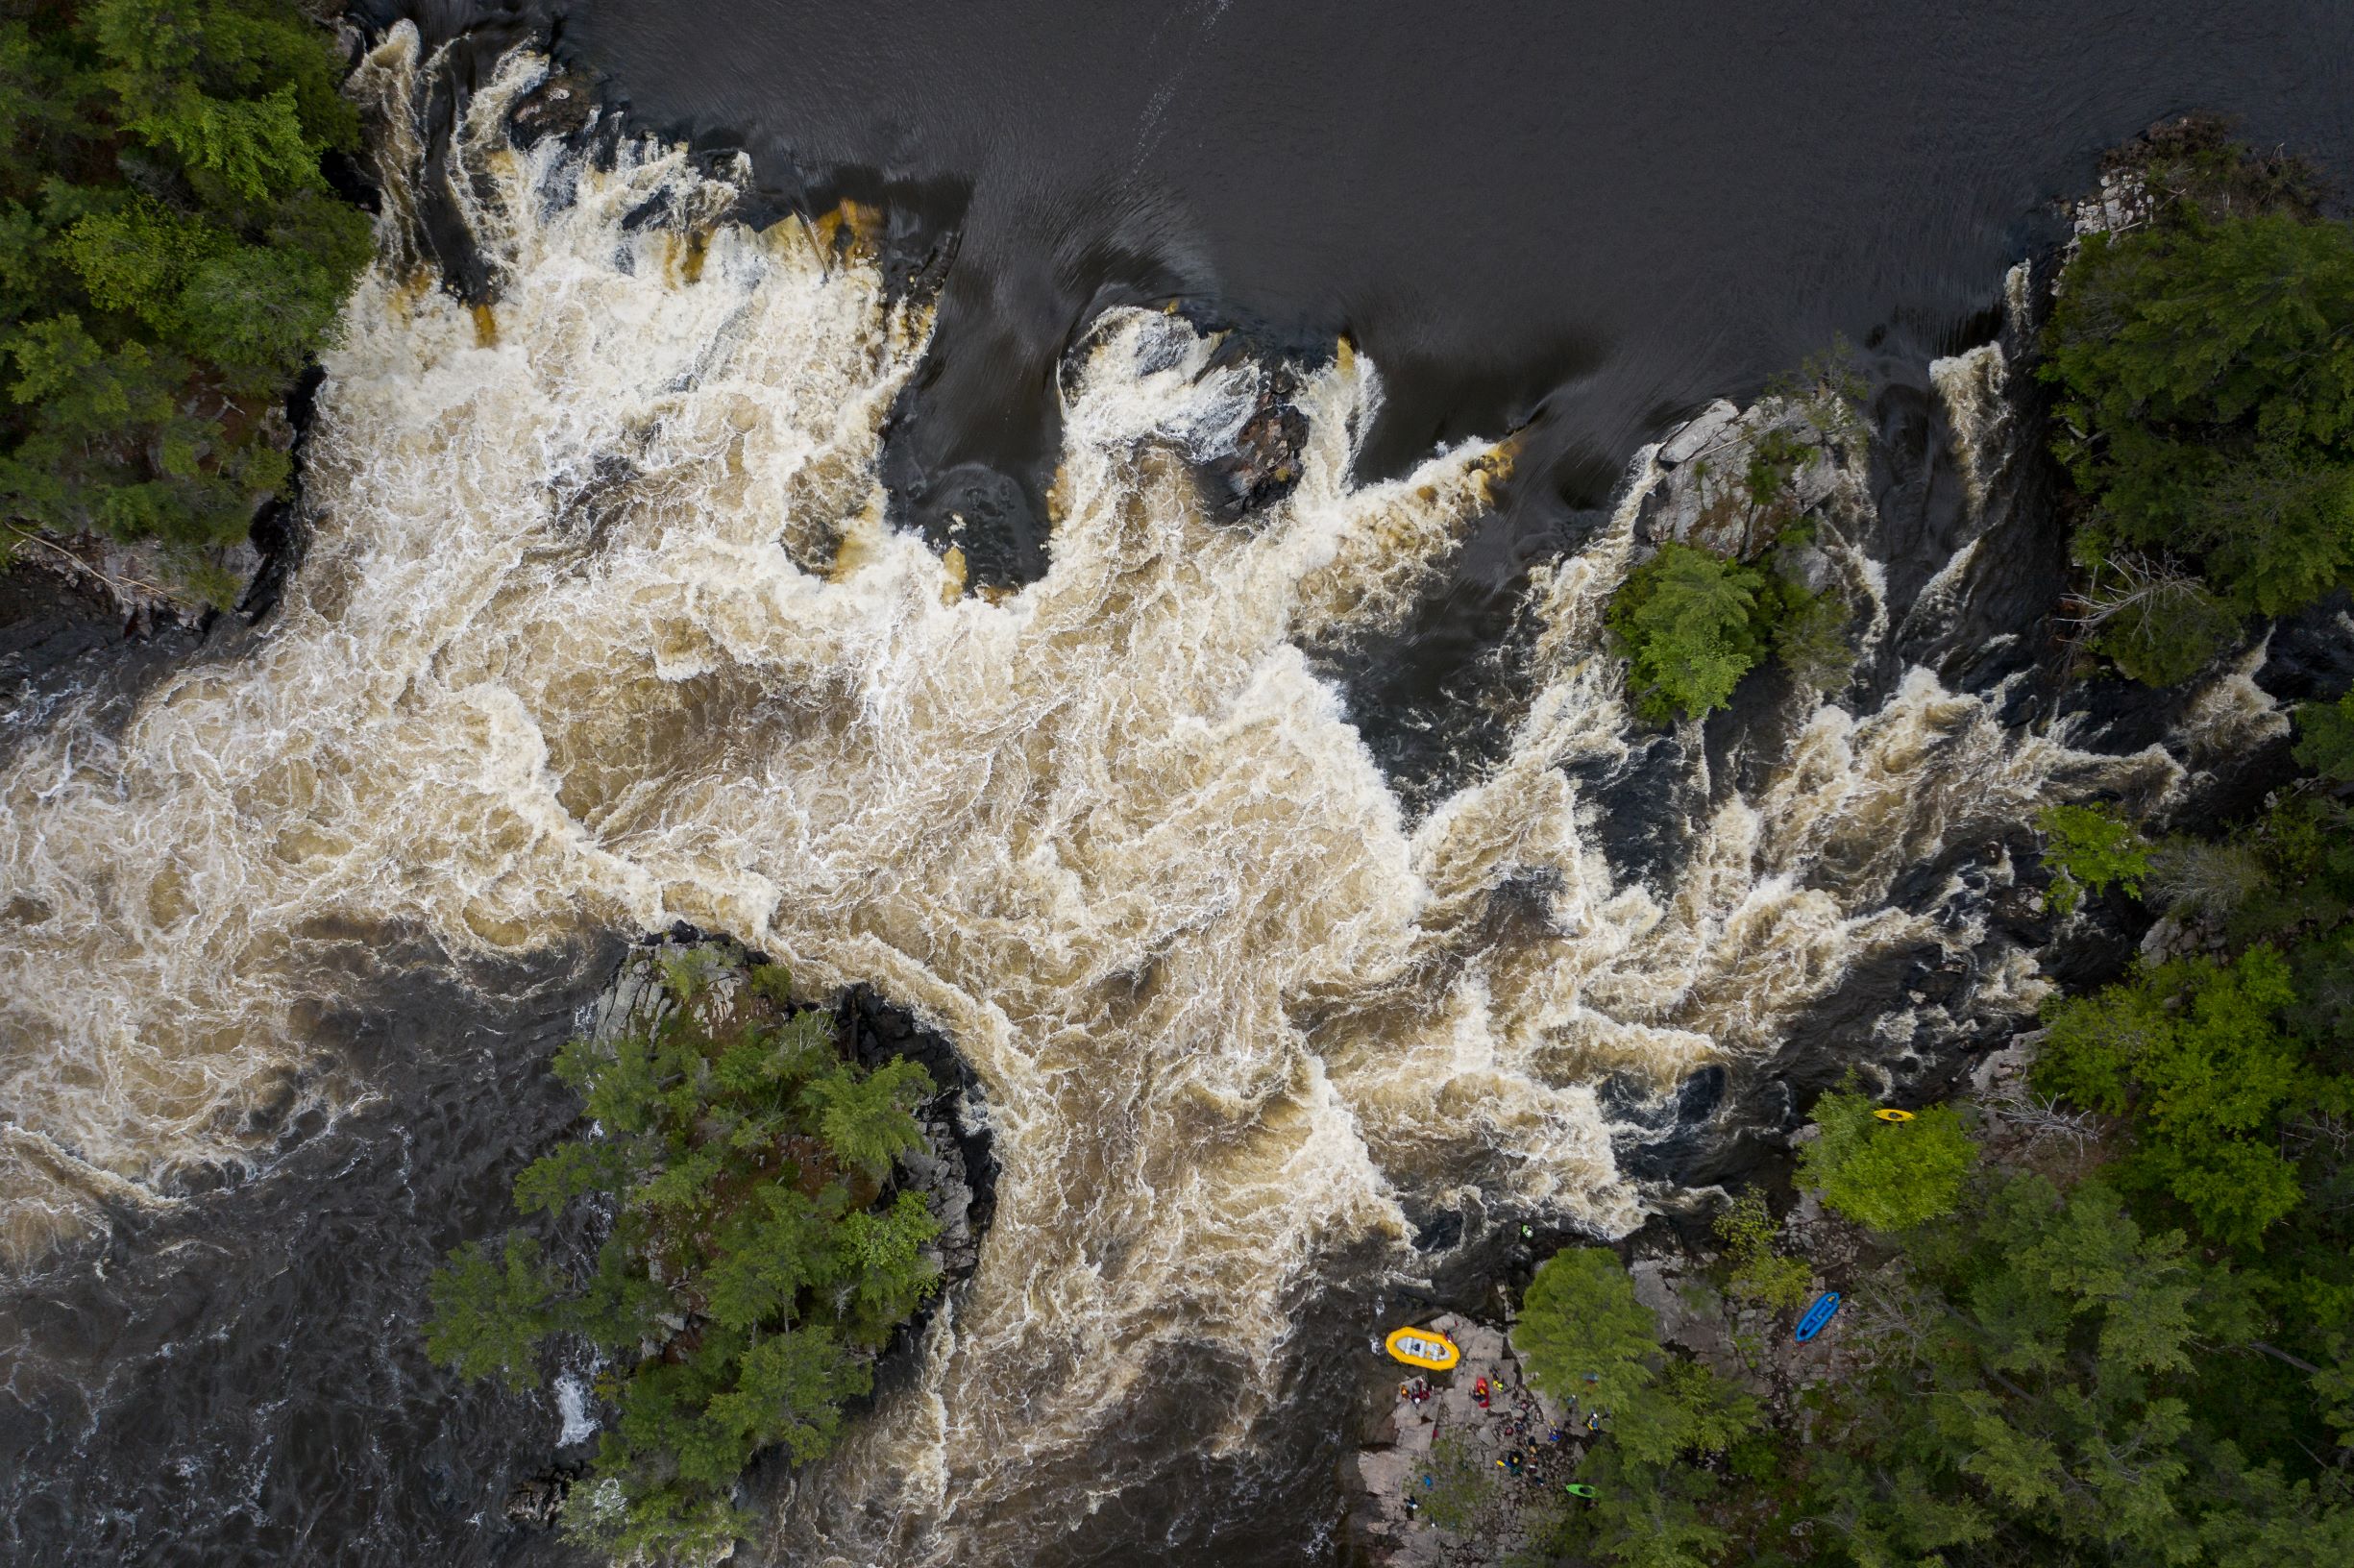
(763, 1200)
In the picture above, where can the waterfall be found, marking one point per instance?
(601, 627)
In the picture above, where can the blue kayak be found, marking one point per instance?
(1817, 1315)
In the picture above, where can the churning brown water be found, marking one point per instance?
(602, 628)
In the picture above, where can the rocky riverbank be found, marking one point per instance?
(1450, 1469)
(88, 614)
(1446, 1478)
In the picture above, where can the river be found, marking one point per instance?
(1296, 885)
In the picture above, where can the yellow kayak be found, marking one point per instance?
(1423, 1347)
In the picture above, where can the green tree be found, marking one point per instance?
(1582, 1334)
(1641, 1518)
(2207, 389)
(2206, 369)
(2158, 621)
(2195, 1054)
(491, 1312)
(864, 1116)
(2325, 738)
(171, 255)
(1688, 621)
(1888, 1175)
(752, 1264)
(2087, 848)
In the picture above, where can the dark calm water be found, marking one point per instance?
(1578, 216)
(1585, 214)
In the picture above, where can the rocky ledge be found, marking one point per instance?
(1731, 479)
(1424, 1457)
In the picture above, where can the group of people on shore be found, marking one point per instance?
(1523, 1456)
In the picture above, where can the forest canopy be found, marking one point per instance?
(2106, 1314)
(2205, 366)
(171, 255)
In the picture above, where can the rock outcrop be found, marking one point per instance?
(1263, 465)
(1438, 1441)
(536, 1501)
(1732, 479)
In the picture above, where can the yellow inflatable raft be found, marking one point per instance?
(1423, 1347)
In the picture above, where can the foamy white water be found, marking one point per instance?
(602, 628)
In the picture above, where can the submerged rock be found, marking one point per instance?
(562, 105)
(537, 1500)
(1263, 465)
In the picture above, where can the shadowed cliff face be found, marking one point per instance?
(605, 624)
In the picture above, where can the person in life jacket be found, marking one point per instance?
(1479, 1391)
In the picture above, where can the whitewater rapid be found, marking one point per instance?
(601, 627)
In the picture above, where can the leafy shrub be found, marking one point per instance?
(2305, 840)
(2205, 877)
(1774, 459)
(2087, 848)
(1829, 387)
(1760, 1273)
(170, 257)
(1891, 1176)
(1810, 634)
(752, 1266)
(1462, 1494)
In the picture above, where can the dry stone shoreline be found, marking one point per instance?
(1531, 1441)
